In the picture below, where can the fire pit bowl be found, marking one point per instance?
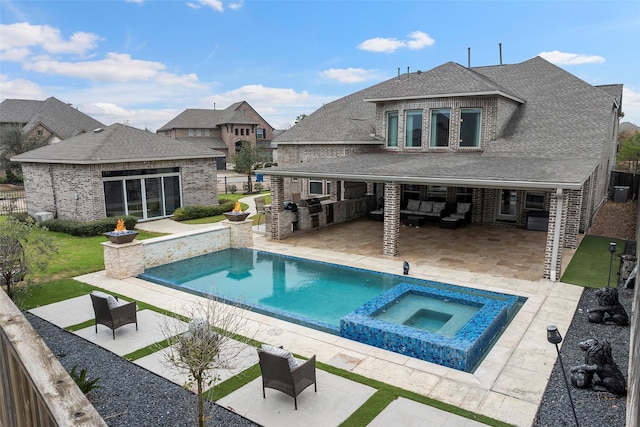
(121, 236)
(236, 216)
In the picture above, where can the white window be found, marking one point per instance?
(534, 200)
(440, 121)
(470, 127)
(413, 128)
(315, 187)
(207, 132)
(261, 133)
(392, 129)
(190, 131)
(198, 132)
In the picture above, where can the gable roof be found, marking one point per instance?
(561, 121)
(198, 118)
(59, 118)
(116, 144)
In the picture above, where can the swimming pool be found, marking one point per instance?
(349, 302)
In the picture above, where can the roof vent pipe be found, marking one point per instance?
(407, 73)
(398, 72)
(468, 57)
(500, 47)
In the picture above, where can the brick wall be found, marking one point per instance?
(489, 120)
(77, 192)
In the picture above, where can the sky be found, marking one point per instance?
(143, 62)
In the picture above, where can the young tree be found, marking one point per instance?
(14, 142)
(246, 159)
(24, 247)
(630, 150)
(216, 337)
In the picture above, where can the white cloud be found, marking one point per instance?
(417, 40)
(19, 89)
(236, 5)
(135, 1)
(631, 105)
(213, 4)
(24, 35)
(115, 67)
(565, 58)
(349, 75)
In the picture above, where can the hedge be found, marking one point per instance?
(201, 211)
(91, 228)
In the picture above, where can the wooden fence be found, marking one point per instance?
(35, 389)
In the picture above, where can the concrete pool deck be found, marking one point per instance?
(508, 385)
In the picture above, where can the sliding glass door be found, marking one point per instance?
(143, 197)
(507, 203)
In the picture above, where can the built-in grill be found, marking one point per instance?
(314, 205)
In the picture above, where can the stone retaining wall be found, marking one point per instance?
(131, 259)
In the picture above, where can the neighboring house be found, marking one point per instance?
(51, 119)
(222, 130)
(118, 170)
(519, 142)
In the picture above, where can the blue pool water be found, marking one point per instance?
(323, 295)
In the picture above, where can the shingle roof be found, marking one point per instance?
(562, 121)
(60, 118)
(116, 144)
(462, 169)
(194, 118)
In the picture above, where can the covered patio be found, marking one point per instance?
(499, 250)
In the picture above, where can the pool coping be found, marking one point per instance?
(509, 383)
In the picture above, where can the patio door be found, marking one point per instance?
(507, 205)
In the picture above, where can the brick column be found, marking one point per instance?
(391, 219)
(279, 230)
(559, 218)
(574, 214)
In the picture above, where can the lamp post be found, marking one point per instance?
(612, 250)
(554, 337)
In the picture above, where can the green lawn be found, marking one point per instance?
(589, 266)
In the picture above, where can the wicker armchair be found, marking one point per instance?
(277, 374)
(119, 314)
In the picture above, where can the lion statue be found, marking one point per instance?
(608, 303)
(599, 370)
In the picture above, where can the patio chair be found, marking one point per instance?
(260, 203)
(113, 313)
(281, 371)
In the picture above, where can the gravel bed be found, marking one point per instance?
(593, 408)
(129, 395)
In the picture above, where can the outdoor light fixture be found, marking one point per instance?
(554, 337)
(612, 250)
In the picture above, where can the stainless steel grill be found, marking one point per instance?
(314, 205)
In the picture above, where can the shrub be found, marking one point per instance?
(201, 211)
(90, 228)
(258, 186)
(81, 380)
(232, 188)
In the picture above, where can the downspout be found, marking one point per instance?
(556, 235)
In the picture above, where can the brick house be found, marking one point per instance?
(50, 120)
(527, 145)
(222, 130)
(118, 170)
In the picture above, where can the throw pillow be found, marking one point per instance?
(413, 205)
(426, 206)
(463, 208)
(281, 353)
(112, 302)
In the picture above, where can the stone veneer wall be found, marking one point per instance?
(76, 191)
(131, 259)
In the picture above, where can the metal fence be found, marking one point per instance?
(12, 201)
